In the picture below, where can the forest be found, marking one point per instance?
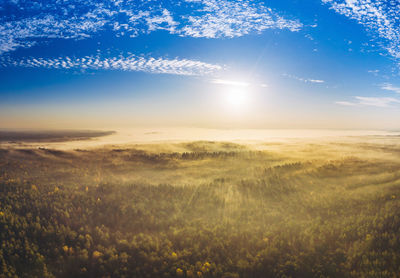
(292, 208)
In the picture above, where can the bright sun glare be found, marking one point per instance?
(235, 95)
(236, 98)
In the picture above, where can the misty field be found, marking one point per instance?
(292, 208)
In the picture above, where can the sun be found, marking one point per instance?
(236, 98)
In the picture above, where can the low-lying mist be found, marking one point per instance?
(283, 207)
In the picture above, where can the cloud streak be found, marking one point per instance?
(305, 80)
(23, 23)
(130, 63)
(370, 101)
(230, 83)
(390, 87)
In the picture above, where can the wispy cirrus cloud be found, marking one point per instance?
(39, 24)
(305, 80)
(314, 80)
(230, 82)
(129, 63)
(222, 18)
(23, 23)
(390, 87)
(370, 101)
(225, 82)
(380, 18)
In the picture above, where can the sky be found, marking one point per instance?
(200, 63)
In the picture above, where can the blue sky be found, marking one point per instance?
(209, 63)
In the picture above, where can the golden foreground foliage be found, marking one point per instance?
(315, 208)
